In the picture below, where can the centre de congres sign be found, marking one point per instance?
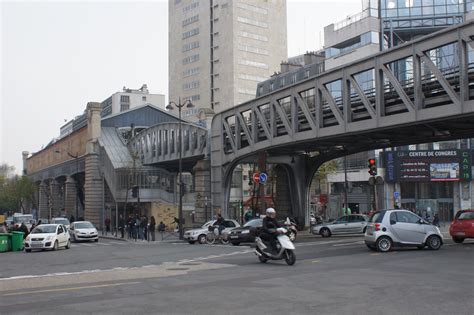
(424, 166)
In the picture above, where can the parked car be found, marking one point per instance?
(63, 221)
(399, 228)
(27, 219)
(200, 234)
(83, 231)
(47, 236)
(347, 224)
(462, 226)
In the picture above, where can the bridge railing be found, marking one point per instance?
(431, 72)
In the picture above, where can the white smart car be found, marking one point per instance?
(47, 236)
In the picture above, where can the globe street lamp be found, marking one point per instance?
(180, 105)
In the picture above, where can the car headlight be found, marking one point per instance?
(27, 239)
(245, 232)
(48, 238)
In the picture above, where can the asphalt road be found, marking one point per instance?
(338, 275)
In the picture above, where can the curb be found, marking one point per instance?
(112, 238)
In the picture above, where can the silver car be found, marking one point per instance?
(399, 228)
(348, 224)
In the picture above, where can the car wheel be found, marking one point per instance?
(371, 247)
(28, 250)
(236, 243)
(202, 239)
(434, 242)
(68, 245)
(458, 240)
(292, 236)
(384, 244)
(262, 259)
(325, 232)
(55, 246)
(191, 242)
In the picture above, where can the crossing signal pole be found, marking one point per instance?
(372, 165)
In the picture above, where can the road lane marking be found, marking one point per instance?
(71, 289)
(316, 261)
(349, 244)
(374, 254)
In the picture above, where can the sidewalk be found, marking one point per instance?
(166, 237)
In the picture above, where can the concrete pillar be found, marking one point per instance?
(93, 179)
(70, 193)
(202, 182)
(55, 204)
(43, 209)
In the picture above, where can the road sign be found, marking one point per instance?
(256, 178)
(396, 194)
(263, 177)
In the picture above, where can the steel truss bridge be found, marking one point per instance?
(418, 92)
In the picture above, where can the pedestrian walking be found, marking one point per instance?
(130, 227)
(140, 228)
(152, 228)
(121, 224)
(107, 225)
(145, 227)
(72, 218)
(436, 220)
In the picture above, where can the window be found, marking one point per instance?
(191, 85)
(190, 46)
(252, 63)
(144, 98)
(190, 20)
(193, 98)
(252, 8)
(465, 216)
(343, 219)
(193, 32)
(254, 50)
(125, 99)
(252, 22)
(191, 7)
(124, 107)
(60, 229)
(229, 224)
(356, 218)
(190, 59)
(249, 77)
(190, 72)
(261, 38)
(406, 217)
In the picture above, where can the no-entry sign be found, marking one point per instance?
(256, 178)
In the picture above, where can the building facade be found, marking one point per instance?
(219, 50)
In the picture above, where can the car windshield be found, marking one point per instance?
(23, 219)
(44, 229)
(83, 225)
(61, 221)
(206, 225)
(254, 223)
(466, 216)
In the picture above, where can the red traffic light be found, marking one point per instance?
(371, 162)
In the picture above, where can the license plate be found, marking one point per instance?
(460, 233)
(234, 236)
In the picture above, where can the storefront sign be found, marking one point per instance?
(423, 166)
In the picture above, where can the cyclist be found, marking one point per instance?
(219, 223)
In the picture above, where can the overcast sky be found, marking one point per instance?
(58, 55)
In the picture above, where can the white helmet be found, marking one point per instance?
(270, 211)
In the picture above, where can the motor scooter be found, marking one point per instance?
(285, 249)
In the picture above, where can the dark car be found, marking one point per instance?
(246, 233)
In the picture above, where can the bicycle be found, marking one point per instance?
(213, 236)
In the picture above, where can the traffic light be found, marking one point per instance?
(372, 165)
(135, 191)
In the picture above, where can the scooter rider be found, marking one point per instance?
(269, 228)
(219, 223)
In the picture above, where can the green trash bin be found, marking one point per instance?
(4, 242)
(17, 241)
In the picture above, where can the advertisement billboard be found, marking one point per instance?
(423, 166)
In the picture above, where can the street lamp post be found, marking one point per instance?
(180, 105)
(76, 158)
